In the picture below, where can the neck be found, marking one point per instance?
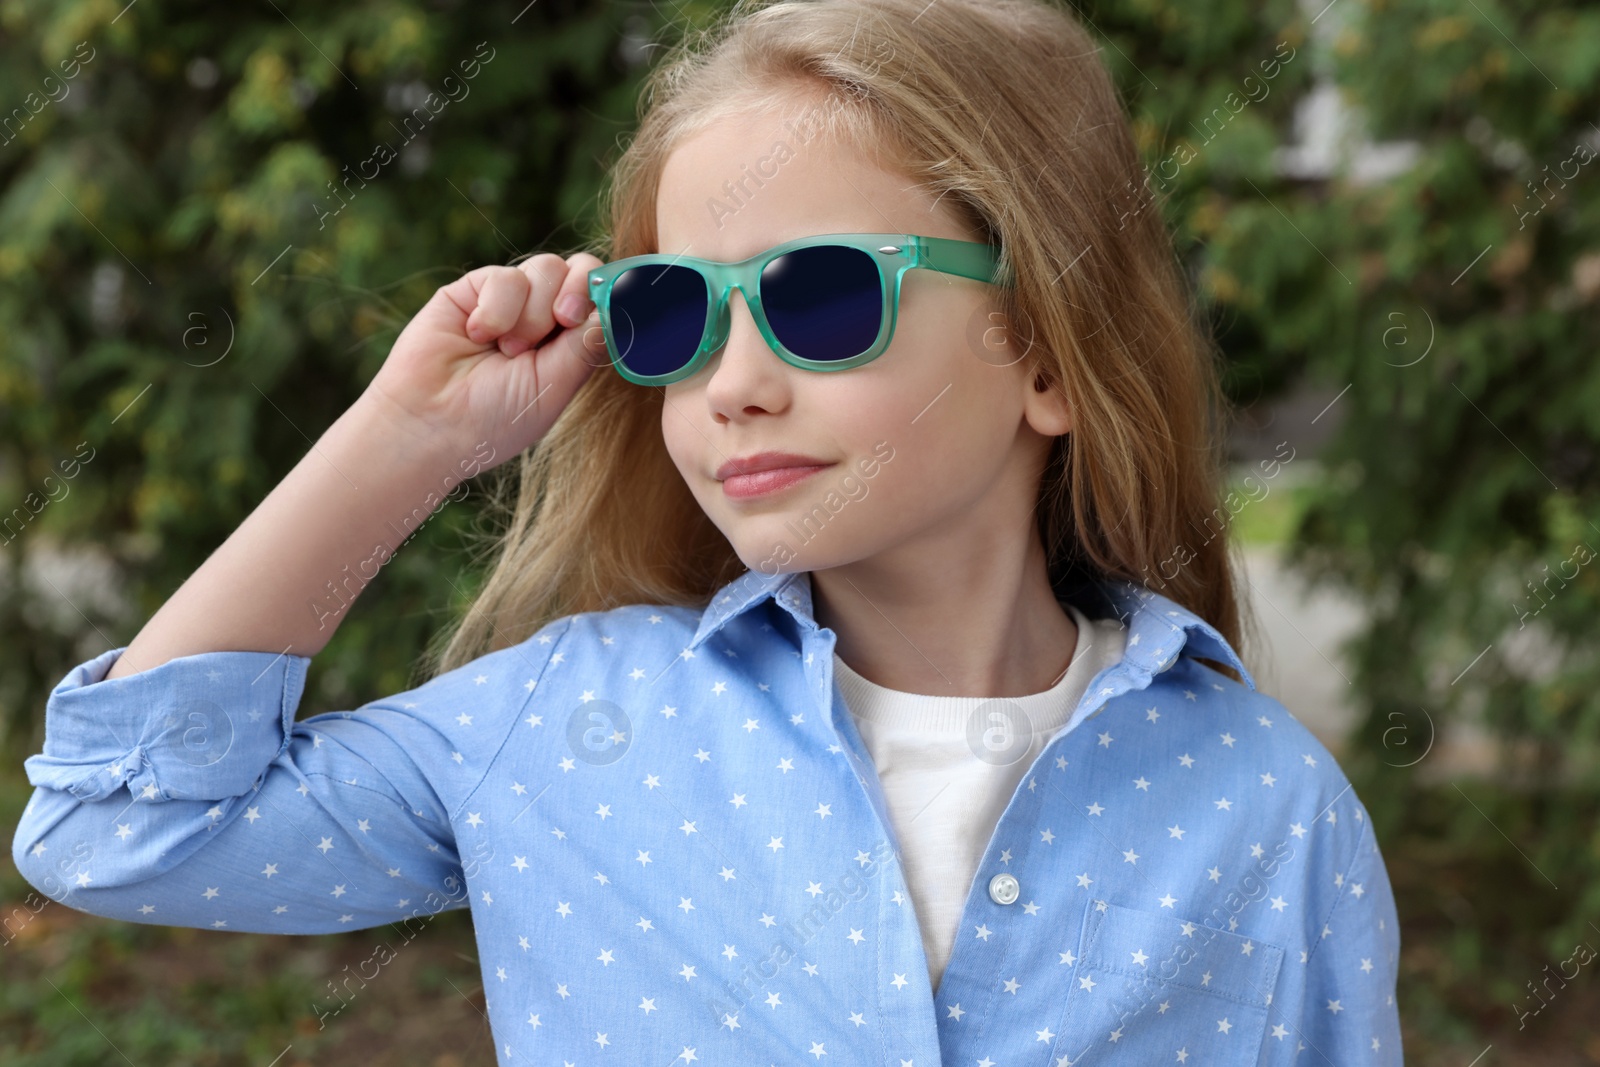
(990, 626)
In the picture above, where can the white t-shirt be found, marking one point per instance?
(949, 770)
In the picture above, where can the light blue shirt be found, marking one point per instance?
(675, 847)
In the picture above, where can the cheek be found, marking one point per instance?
(946, 438)
(678, 436)
(945, 411)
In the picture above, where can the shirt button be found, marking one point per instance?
(1003, 889)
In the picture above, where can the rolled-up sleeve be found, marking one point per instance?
(188, 794)
(195, 727)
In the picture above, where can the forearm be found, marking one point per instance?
(284, 580)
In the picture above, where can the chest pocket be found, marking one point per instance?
(1149, 987)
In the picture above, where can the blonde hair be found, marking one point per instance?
(1003, 109)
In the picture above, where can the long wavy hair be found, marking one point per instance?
(1004, 110)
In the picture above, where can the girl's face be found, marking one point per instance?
(931, 451)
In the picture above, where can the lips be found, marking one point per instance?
(766, 461)
(766, 472)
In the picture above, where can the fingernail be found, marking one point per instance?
(570, 308)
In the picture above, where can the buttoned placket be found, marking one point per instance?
(1154, 646)
(907, 1029)
(914, 1022)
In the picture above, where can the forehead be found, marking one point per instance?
(753, 179)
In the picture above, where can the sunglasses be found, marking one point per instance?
(826, 302)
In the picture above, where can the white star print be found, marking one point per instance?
(769, 664)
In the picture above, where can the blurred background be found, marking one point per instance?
(1398, 244)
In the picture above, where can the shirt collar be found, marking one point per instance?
(1159, 629)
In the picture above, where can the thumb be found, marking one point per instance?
(580, 349)
(589, 341)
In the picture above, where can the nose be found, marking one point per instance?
(745, 375)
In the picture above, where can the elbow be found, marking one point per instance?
(24, 843)
(53, 868)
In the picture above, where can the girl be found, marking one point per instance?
(768, 739)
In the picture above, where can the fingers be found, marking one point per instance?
(557, 297)
(517, 307)
(575, 310)
(502, 293)
(573, 302)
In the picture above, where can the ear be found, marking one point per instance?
(1044, 403)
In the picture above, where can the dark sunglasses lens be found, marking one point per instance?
(658, 315)
(825, 302)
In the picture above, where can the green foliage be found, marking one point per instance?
(204, 258)
(1458, 302)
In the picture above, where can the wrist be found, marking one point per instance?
(395, 464)
(383, 428)
(374, 480)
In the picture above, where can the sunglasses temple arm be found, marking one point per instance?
(965, 259)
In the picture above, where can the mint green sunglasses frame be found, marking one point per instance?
(902, 251)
